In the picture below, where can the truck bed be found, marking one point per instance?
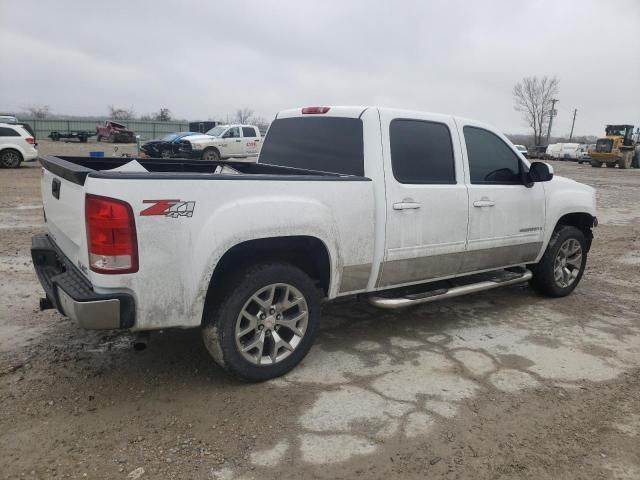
(76, 170)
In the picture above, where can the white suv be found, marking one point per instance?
(16, 145)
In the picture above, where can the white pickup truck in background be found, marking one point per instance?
(222, 142)
(401, 207)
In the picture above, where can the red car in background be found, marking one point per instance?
(114, 132)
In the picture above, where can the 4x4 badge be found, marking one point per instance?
(169, 208)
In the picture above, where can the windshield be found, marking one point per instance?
(170, 137)
(326, 144)
(216, 131)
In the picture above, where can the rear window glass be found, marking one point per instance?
(421, 152)
(248, 132)
(326, 144)
(8, 132)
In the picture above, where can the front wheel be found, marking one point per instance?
(596, 164)
(562, 265)
(211, 154)
(625, 160)
(264, 323)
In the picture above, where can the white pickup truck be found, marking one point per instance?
(400, 207)
(222, 142)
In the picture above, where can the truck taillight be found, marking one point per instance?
(29, 140)
(111, 235)
(315, 110)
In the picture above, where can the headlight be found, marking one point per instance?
(196, 146)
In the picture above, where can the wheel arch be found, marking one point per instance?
(308, 253)
(583, 221)
(211, 147)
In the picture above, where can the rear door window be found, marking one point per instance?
(8, 132)
(248, 132)
(326, 144)
(490, 158)
(421, 152)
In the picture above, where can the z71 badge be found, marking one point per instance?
(169, 208)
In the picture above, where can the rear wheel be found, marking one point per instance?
(611, 165)
(562, 265)
(263, 324)
(112, 138)
(596, 164)
(10, 158)
(99, 138)
(211, 154)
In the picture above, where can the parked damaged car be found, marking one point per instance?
(165, 147)
(114, 132)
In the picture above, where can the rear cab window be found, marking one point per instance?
(326, 144)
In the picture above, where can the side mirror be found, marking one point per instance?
(540, 172)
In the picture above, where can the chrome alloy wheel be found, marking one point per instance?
(568, 262)
(271, 324)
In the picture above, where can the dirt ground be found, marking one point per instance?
(497, 385)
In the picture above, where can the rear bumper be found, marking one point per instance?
(72, 294)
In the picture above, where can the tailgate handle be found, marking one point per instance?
(55, 188)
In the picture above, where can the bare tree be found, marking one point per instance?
(116, 113)
(243, 115)
(260, 122)
(38, 112)
(533, 97)
(163, 115)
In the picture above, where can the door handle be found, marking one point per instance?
(485, 202)
(406, 206)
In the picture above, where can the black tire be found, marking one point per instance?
(223, 310)
(625, 160)
(543, 280)
(111, 138)
(611, 165)
(596, 164)
(99, 138)
(10, 158)
(211, 154)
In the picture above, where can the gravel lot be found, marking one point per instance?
(503, 384)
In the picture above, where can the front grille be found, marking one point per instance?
(604, 145)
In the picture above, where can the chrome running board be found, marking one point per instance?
(441, 293)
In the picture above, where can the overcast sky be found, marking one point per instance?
(205, 59)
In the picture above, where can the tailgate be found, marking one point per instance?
(64, 209)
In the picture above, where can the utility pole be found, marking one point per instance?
(575, 110)
(553, 112)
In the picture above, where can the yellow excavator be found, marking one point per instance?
(620, 146)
